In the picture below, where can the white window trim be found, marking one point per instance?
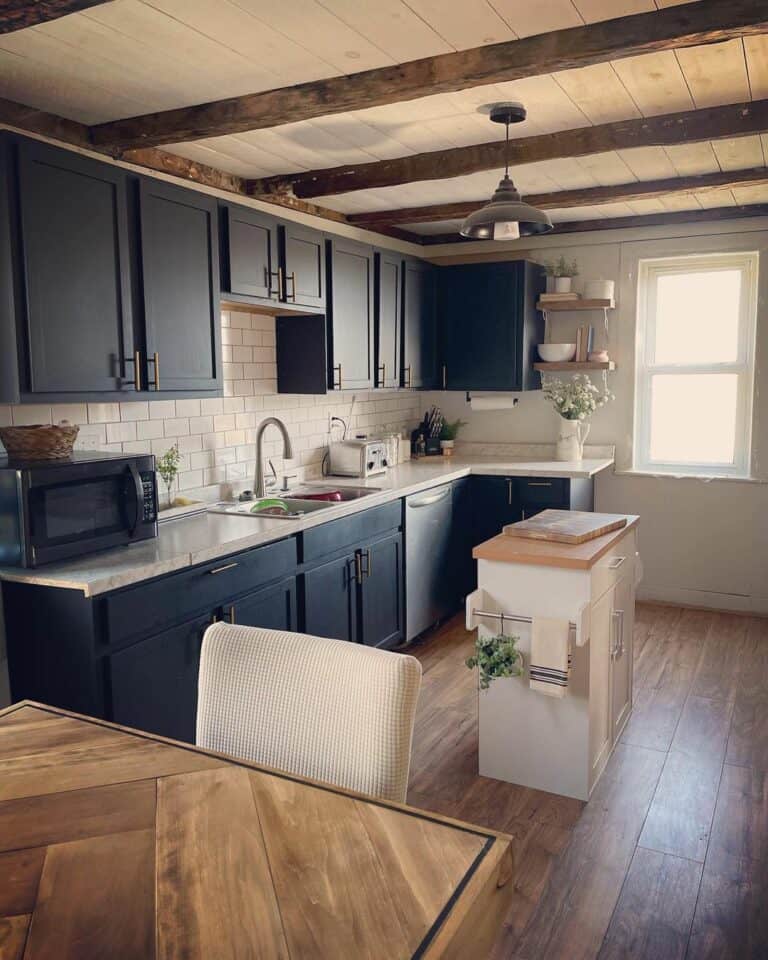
(744, 366)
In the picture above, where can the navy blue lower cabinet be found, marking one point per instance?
(273, 607)
(330, 599)
(498, 501)
(154, 682)
(381, 592)
(495, 503)
(462, 567)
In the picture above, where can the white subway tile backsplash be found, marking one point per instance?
(216, 435)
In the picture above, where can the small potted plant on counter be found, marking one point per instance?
(496, 657)
(168, 468)
(448, 435)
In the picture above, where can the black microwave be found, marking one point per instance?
(56, 509)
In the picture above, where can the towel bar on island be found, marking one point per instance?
(515, 618)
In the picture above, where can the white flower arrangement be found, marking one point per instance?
(576, 399)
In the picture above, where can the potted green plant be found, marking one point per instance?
(560, 274)
(448, 436)
(168, 468)
(496, 657)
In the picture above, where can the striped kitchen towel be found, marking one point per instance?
(550, 661)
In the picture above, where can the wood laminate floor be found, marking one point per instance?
(669, 859)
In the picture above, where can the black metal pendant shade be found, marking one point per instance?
(505, 216)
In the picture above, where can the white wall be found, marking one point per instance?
(703, 542)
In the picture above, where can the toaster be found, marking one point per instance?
(357, 458)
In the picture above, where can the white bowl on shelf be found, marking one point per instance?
(557, 352)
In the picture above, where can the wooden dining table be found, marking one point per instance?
(116, 844)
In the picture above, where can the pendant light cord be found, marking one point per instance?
(506, 149)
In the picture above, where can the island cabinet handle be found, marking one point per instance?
(227, 566)
(616, 562)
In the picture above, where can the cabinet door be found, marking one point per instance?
(622, 623)
(463, 569)
(381, 592)
(273, 608)
(494, 504)
(542, 493)
(350, 325)
(250, 253)
(389, 311)
(302, 254)
(600, 642)
(74, 251)
(419, 325)
(179, 247)
(330, 600)
(154, 682)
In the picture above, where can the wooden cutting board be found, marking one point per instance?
(566, 526)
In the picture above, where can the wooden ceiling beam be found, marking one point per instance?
(690, 126)
(618, 223)
(19, 14)
(707, 21)
(585, 197)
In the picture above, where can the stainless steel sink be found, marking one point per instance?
(345, 493)
(291, 509)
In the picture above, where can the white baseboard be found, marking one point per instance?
(703, 598)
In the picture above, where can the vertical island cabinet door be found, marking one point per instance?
(389, 312)
(273, 607)
(601, 640)
(302, 262)
(180, 263)
(74, 254)
(330, 599)
(250, 254)
(350, 323)
(381, 591)
(623, 621)
(419, 325)
(154, 683)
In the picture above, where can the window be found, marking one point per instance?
(695, 357)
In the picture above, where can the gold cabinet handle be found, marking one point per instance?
(137, 369)
(445, 376)
(337, 386)
(539, 483)
(155, 358)
(227, 566)
(358, 567)
(231, 615)
(292, 278)
(268, 274)
(407, 377)
(368, 563)
(280, 285)
(383, 379)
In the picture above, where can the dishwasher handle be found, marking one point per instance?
(429, 498)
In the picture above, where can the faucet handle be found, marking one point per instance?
(286, 478)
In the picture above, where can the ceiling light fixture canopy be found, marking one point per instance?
(505, 216)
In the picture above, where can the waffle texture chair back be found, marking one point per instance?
(316, 707)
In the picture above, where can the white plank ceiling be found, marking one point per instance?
(131, 57)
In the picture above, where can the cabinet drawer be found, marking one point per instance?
(544, 492)
(339, 534)
(143, 610)
(617, 563)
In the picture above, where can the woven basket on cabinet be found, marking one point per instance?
(39, 441)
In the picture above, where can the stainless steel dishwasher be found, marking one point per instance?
(428, 567)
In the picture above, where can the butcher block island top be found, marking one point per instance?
(545, 553)
(115, 843)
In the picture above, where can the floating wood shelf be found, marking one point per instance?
(557, 305)
(575, 366)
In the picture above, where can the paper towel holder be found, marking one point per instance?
(515, 401)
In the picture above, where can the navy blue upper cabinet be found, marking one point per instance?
(302, 266)
(419, 363)
(74, 308)
(350, 315)
(489, 325)
(249, 259)
(388, 317)
(180, 267)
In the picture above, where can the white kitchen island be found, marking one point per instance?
(529, 738)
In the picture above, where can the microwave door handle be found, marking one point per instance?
(138, 490)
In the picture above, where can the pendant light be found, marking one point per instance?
(505, 216)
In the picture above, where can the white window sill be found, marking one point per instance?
(669, 475)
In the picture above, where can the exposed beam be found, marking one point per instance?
(186, 169)
(642, 190)
(617, 223)
(18, 14)
(711, 123)
(707, 21)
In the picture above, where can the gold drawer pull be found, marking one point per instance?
(227, 566)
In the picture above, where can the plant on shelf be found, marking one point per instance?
(560, 274)
(496, 657)
(575, 400)
(448, 435)
(168, 468)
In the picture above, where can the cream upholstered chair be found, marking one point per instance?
(320, 708)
